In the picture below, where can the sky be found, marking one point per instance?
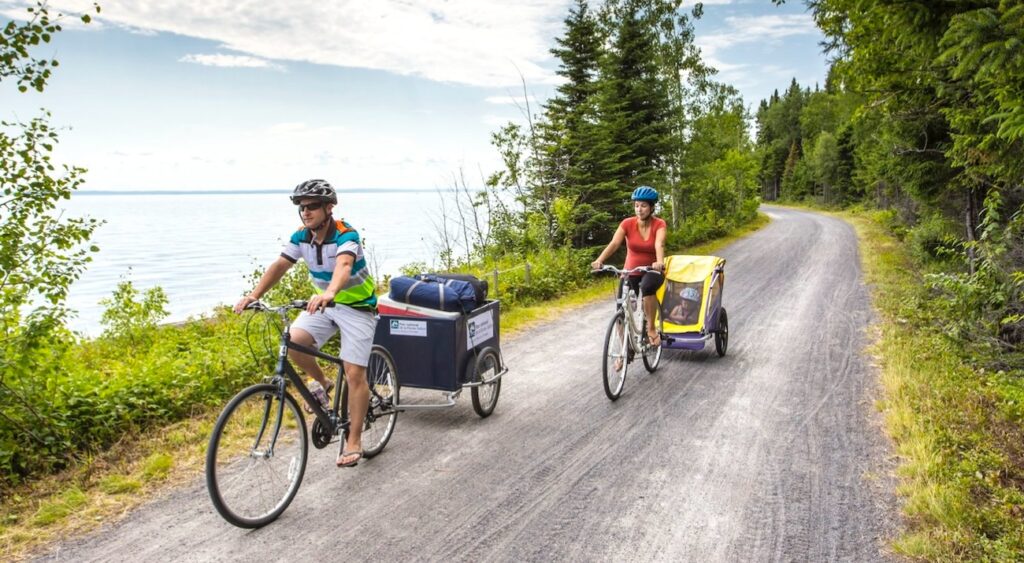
(382, 94)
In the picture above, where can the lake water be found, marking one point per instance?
(199, 247)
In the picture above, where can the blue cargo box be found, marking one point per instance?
(438, 353)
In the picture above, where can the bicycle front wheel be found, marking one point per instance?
(380, 419)
(257, 456)
(616, 350)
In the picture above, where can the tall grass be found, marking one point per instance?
(957, 427)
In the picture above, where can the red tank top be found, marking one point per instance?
(640, 252)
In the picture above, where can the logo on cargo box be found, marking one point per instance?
(480, 329)
(402, 327)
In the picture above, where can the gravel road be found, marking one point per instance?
(772, 453)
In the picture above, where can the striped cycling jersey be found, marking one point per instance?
(341, 238)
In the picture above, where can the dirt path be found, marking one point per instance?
(772, 453)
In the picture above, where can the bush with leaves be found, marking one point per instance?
(41, 254)
(125, 317)
(984, 304)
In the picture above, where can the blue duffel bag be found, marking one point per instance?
(428, 290)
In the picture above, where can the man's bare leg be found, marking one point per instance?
(358, 401)
(306, 362)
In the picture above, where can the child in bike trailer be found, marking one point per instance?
(333, 251)
(687, 310)
(645, 246)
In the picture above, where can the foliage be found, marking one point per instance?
(553, 272)
(293, 285)
(127, 318)
(956, 425)
(15, 41)
(136, 376)
(985, 305)
(721, 166)
(923, 116)
(921, 113)
(41, 254)
(636, 107)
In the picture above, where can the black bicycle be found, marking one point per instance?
(258, 448)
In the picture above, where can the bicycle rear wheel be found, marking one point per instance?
(652, 356)
(257, 456)
(616, 349)
(380, 420)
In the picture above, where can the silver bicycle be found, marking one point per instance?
(627, 335)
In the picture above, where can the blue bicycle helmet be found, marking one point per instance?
(690, 294)
(645, 193)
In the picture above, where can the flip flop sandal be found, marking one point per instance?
(353, 463)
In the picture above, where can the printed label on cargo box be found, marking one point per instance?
(401, 327)
(479, 329)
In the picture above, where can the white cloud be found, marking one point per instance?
(750, 29)
(222, 60)
(512, 100)
(756, 29)
(773, 26)
(456, 41)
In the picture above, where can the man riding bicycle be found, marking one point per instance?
(334, 254)
(645, 246)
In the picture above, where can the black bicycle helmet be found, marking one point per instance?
(314, 189)
(645, 193)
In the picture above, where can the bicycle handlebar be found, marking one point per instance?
(621, 272)
(295, 304)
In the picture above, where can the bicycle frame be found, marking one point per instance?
(635, 320)
(623, 298)
(285, 372)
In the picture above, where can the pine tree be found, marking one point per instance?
(578, 144)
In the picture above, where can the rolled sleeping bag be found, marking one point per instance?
(428, 290)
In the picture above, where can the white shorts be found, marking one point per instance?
(356, 325)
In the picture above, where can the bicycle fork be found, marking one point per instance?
(268, 399)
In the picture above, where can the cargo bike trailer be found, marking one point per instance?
(444, 350)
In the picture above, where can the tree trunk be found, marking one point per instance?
(675, 207)
(971, 224)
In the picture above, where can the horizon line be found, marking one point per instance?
(248, 191)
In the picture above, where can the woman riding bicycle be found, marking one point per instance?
(645, 246)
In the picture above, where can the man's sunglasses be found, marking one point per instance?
(310, 206)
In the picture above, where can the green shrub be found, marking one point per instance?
(934, 239)
(101, 389)
(128, 318)
(553, 272)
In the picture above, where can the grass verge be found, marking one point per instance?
(956, 428)
(105, 487)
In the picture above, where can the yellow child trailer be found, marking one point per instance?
(691, 310)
